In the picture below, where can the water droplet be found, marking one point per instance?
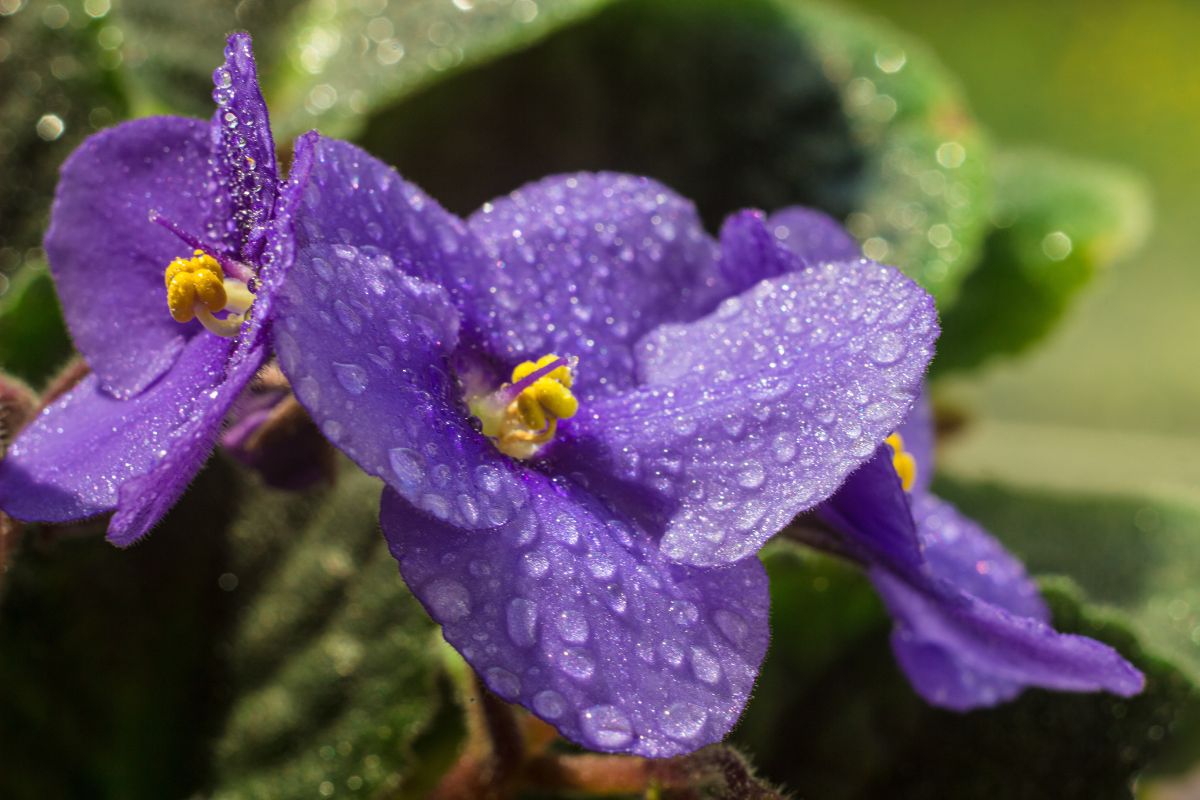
(684, 612)
(705, 665)
(503, 683)
(348, 317)
(577, 664)
(683, 720)
(751, 475)
(522, 622)
(572, 626)
(488, 478)
(606, 726)
(408, 465)
(731, 625)
(536, 564)
(467, 509)
(448, 600)
(887, 348)
(549, 704)
(352, 377)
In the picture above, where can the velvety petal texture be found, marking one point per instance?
(971, 629)
(813, 236)
(585, 265)
(106, 256)
(570, 610)
(134, 433)
(758, 411)
(72, 460)
(243, 164)
(608, 583)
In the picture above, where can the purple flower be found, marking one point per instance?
(971, 629)
(169, 351)
(590, 416)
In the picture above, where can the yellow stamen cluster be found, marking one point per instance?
(197, 288)
(194, 281)
(902, 461)
(520, 427)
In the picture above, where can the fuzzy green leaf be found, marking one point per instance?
(1058, 223)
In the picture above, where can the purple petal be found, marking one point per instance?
(961, 552)
(871, 511)
(961, 652)
(585, 265)
(760, 410)
(754, 247)
(71, 461)
(107, 258)
(815, 237)
(750, 253)
(569, 611)
(244, 152)
(367, 349)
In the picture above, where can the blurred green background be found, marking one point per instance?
(1112, 399)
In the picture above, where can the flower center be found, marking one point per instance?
(902, 461)
(522, 416)
(197, 289)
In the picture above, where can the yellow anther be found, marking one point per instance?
(520, 426)
(197, 288)
(902, 461)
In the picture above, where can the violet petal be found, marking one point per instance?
(812, 235)
(585, 265)
(366, 349)
(572, 613)
(69, 463)
(243, 149)
(988, 652)
(108, 258)
(759, 410)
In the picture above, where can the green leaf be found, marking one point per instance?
(760, 103)
(334, 670)
(855, 729)
(259, 643)
(1059, 222)
(33, 337)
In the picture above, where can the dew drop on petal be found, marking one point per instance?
(606, 726)
(503, 683)
(448, 600)
(522, 622)
(683, 720)
(352, 377)
(549, 704)
(408, 465)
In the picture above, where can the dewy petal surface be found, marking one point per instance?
(960, 551)
(366, 349)
(571, 612)
(755, 247)
(70, 462)
(961, 652)
(145, 498)
(243, 150)
(586, 264)
(759, 410)
(354, 200)
(107, 258)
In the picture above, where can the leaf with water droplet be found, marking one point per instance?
(763, 93)
(1059, 223)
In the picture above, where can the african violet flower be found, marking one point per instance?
(589, 417)
(971, 629)
(169, 351)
